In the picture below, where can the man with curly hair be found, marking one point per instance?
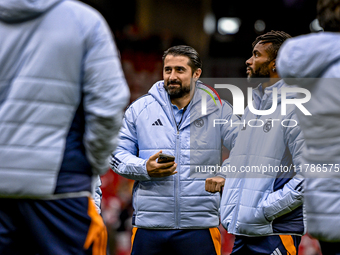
(263, 209)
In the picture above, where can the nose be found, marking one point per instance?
(172, 75)
(249, 61)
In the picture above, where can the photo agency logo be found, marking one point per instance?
(204, 98)
(239, 107)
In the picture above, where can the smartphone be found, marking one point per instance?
(164, 158)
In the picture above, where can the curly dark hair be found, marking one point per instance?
(184, 50)
(276, 38)
(328, 14)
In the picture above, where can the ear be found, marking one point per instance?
(272, 66)
(197, 74)
(273, 70)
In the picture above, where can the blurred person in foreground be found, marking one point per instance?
(174, 211)
(62, 93)
(263, 209)
(313, 62)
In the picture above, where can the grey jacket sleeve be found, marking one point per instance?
(124, 160)
(105, 94)
(290, 196)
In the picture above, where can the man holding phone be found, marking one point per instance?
(173, 212)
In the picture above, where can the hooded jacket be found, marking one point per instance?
(313, 62)
(262, 194)
(62, 92)
(178, 201)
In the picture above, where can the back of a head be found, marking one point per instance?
(276, 38)
(328, 14)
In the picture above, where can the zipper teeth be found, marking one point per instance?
(177, 178)
(177, 183)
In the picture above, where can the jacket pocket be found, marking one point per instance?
(252, 215)
(253, 222)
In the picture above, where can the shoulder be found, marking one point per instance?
(227, 111)
(226, 104)
(86, 17)
(141, 103)
(81, 9)
(333, 71)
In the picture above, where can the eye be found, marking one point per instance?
(167, 70)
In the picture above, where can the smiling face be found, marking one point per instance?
(260, 63)
(178, 76)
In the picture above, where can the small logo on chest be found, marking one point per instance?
(268, 126)
(157, 123)
(199, 123)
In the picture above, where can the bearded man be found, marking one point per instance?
(174, 211)
(262, 202)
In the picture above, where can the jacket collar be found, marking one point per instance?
(195, 105)
(263, 100)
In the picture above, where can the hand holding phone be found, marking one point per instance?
(164, 158)
(161, 165)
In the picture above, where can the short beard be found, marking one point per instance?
(177, 92)
(261, 75)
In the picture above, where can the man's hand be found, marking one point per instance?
(214, 184)
(159, 169)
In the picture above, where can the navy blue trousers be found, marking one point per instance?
(267, 245)
(179, 242)
(53, 227)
